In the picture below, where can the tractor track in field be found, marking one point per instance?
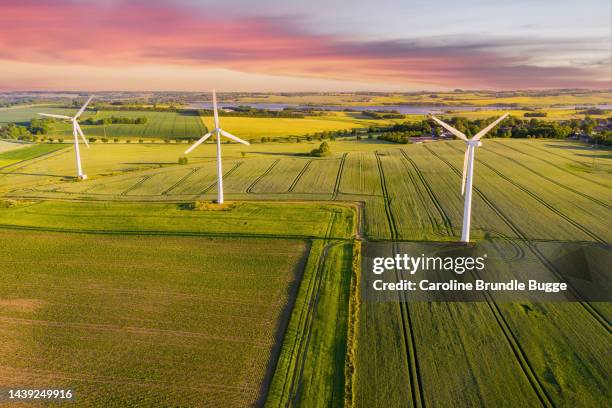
(557, 212)
(250, 188)
(407, 326)
(588, 197)
(299, 176)
(542, 149)
(586, 305)
(136, 185)
(576, 224)
(386, 199)
(448, 225)
(225, 175)
(553, 164)
(339, 177)
(361, 173)
(431, 217)
(412, 361)
(300, 344)
(513, 342)
(515, 345)
(503, 324)
(181, 180)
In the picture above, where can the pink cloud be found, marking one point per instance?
(141, 32)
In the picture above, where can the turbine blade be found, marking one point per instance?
(49, 115)
(491, 126)
(215, 109)
(78, 128)
(465, 163)
(199, 142)
(234, 138)
(451, 129)
(80, 112)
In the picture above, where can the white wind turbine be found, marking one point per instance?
(76, 130)
(218, 132)
(468, 169)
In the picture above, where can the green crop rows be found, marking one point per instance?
(527, 193)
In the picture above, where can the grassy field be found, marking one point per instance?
(527, 193)
(194, 331)
(26, 152)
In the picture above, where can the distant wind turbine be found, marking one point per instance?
(468, 169)
(218, 132)
(76, 130)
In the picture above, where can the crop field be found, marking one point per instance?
(5, 146)
(248, 128)
(527, 194)
(434, 98)
(15, 153)
(181, 125)
(23, 115)
(194, 331)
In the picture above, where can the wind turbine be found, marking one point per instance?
(76, 130)
(218, 132)
(468, 169)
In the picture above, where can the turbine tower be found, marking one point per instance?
(218, 132)
(468, 169)
(76, 130)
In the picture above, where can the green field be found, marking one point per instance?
(185, 125)
(527, 193)
(194, 331)
(26, 152)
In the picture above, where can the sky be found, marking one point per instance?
(309, 46)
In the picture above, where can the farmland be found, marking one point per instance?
(185, 124)
(528, 194)
(283, 127)
(459, 98)
(173, 311)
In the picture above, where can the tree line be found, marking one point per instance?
(111, 120)
(596, 129)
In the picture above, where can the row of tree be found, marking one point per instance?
(511, 127)
(124, 120)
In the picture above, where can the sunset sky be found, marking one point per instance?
(314, 45)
